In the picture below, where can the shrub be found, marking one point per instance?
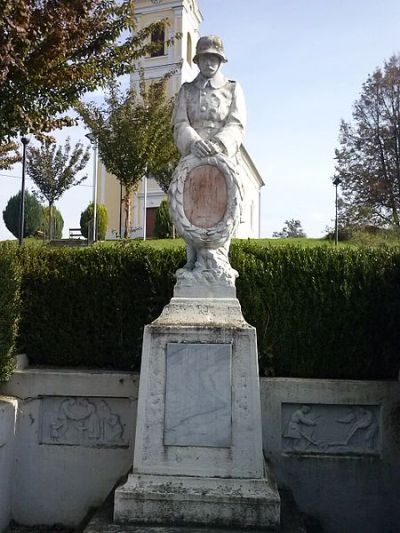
(163, 224)
(57, 221)
(10, 279)
(33, 214)
(101, 220)
(319, 312)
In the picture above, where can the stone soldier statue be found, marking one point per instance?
(206, 191)
(210, 113)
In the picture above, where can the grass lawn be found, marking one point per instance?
(363, 241)
(174, 243)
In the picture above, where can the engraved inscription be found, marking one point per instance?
(78, 421)
(330, 429)
(198, 395)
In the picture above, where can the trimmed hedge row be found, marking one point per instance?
(322, 312)
(10, 282)
(87, 307)
(319, 312)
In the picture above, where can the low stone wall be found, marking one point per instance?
(335, 444)
(8, 413)
(74, 441)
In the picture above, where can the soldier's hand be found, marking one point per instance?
(202, 149)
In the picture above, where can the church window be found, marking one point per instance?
(158, 38)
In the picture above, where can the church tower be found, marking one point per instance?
(184, 18)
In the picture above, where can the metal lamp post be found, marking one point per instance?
(93, 142)
(120, 210)
(336, 182)
(144, 207)
(25, 142)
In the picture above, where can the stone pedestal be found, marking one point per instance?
(198, 451)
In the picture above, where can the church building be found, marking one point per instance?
(185, 18)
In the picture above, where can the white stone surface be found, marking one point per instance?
(191, 500)
(32, 382)
(58, 482)
(244, 459)
(344, 469)
(198, 450)
(21, 361)
(8, 413)
(83, 421)
(52, 484)
(198, 395)
(207, 268)
(202, 312)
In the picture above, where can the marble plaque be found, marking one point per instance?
(331, 429)
(198, 395)
(79, 421)
(205, 196)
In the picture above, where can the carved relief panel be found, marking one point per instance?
(79, 421)
(331, 429)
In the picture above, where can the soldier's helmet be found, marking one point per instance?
(210, 44)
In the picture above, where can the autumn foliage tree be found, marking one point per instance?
(54, 51)
(8, 154)
(368, 158)
(134, 135)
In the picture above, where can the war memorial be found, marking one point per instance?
(198, 449)
(198, 441)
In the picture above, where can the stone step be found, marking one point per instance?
(292, 521)
(74, 243)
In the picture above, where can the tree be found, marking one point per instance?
(368, 158)
(101, 220)
(53, 52)
(8, 154)
(53, 169)
(163, 225)
(53, 220)
(163, 174)
(33, 215)
(134, 136)
(292, 229)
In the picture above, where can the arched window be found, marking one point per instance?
(158, 38)
(189, 49)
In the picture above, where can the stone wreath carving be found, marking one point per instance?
(208, 243)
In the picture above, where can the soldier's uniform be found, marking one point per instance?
(210, 109)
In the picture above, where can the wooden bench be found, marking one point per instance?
(75, 233)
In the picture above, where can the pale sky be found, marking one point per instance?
(302, 64)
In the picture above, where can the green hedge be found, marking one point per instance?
(322, 312)
(87, 307)
(10, 279)
(319, 312)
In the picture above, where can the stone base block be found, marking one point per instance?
(180, 500)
